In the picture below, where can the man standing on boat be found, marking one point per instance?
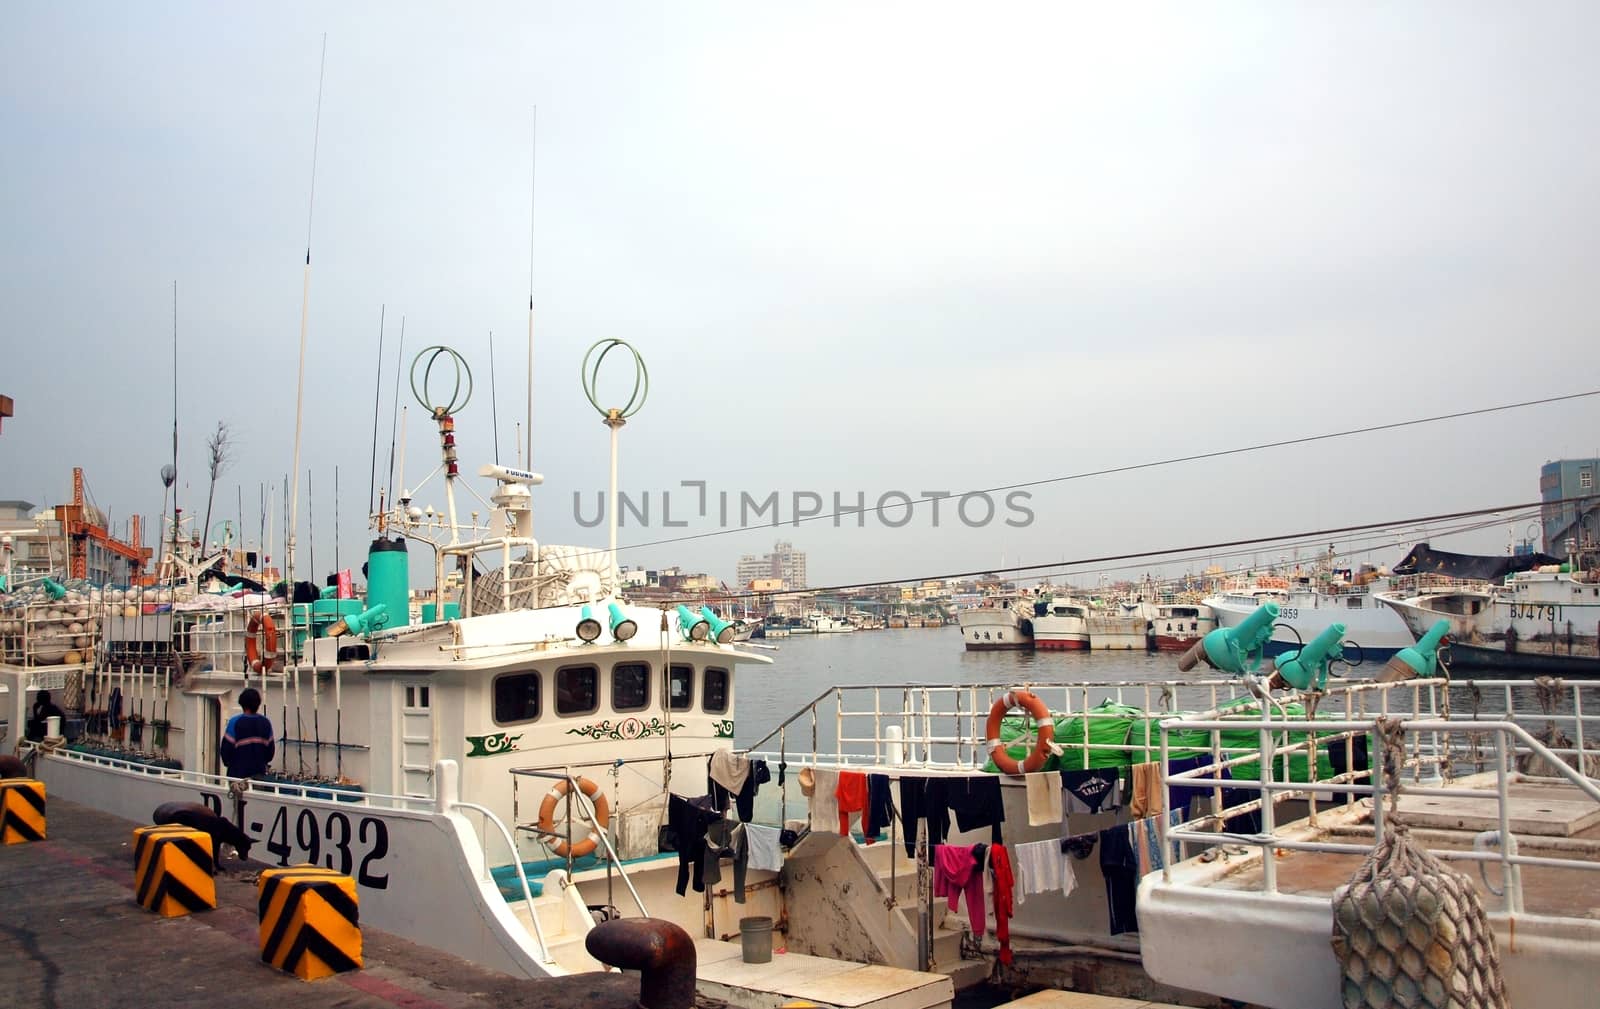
(247, 745)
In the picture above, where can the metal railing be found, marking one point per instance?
(577, 800)
(1432, 751)
(522, 877)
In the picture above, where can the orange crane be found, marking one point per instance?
(81, 526)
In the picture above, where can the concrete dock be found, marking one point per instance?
(73, 937)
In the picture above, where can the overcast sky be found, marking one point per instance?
(862, 247)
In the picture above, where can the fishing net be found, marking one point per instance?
(1410, 931)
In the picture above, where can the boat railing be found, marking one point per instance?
(318, 790)
(943, 726)
(579, 803)
(1431, 751)
(490, 819)
(42, 632)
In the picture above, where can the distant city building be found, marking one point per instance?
(784, 563)
(1572, 505)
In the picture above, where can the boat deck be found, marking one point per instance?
(790, 977)
(1547, 819)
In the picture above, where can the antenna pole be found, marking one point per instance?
(494, 401)
(305, 306)
(377, 391)
(527, 462)
(394, 423)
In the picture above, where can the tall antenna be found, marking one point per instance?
(394, 423)
(377, 390)
(527, 463)
(494, 401)
(171, 479)
(305, 306)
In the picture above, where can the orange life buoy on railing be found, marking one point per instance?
(547, 818)
(261, 643)
(1041, 746)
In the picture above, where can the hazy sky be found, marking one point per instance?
(862, 247)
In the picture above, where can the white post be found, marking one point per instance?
(614, 421)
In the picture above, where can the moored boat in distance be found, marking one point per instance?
(1177, 626)
(1120, 627)
(1001, 622)
(1310, 604)
(1063, 626)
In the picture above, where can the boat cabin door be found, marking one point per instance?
(416, 740)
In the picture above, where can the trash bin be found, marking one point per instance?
(755, 936)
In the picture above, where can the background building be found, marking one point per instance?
(1577, 520)
(784, 563)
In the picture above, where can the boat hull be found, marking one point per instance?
(1061, 643)
(991, 629)
(1539, 624)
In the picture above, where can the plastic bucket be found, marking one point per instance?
(52, 725)
(755, 936)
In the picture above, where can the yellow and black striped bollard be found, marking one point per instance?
(21, 810)
(172, 870)
(310, 921)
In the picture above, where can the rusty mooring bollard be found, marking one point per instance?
(662, 952)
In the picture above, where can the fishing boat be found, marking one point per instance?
(825, 623)
(1063, 627)
(1177, 626)
(1000, 622)
(1543, 621)
(1310, 603)
(1122, 626)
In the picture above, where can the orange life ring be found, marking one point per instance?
(261, 643)
(547, 818)
(1041, 747)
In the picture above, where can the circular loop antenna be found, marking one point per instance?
(458, 395)
(590, 374)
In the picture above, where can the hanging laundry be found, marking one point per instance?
(976, 803)
(824, 799)
(957, 872)
(729, 769)
(923, 797)
(1119, 864)
(726, 839)
(1092, 791)
(1179, 796)
(880, 808)
(1043, 867)
(744, 797)
(765, 845)
(1004, 882)
(851, 795)
(1145, 791)
(1079, 846)
(1044, 798)
(687, 821)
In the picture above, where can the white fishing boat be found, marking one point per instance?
(1001, 622)
(1122, 626)
(1063, 627)
(826, 623)
(1310, 605)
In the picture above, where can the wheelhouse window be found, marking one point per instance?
(680, 687)
(577, 690)
(516, 698)
(715, 698)
(630, 686)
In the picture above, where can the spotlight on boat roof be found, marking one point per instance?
(621, 627)
(694, 628)
(588, 626)
(721, 630)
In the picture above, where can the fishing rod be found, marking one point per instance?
(377, 394)
(305, 308)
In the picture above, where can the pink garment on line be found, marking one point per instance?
(956, 872)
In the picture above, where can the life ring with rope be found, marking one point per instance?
(547, 818)
(1040, 713)
(261, 643)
